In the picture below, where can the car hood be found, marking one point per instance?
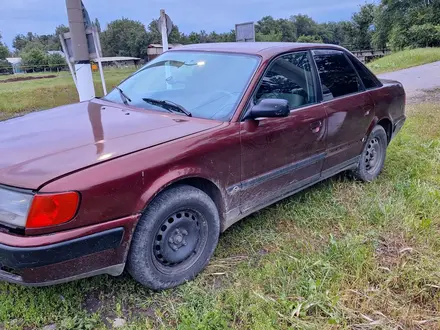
(42, 146)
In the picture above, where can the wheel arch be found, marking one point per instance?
(387, 126)
(206, 185)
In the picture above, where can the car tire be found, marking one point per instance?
(174, 239)
(373, 156)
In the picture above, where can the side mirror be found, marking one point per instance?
(269, 108)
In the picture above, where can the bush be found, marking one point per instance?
(56, 61)
(425, 35)
(4, 51)
(398, 38)
(5, 67)
(268, 37)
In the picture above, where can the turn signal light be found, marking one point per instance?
(52, 209)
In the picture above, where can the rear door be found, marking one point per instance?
(349, 107)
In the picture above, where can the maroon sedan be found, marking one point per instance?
(147, 177)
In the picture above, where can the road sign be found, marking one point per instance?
(91, 33)
(245, 32)
(168, 23)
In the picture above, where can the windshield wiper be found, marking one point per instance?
(168, 105)
(124, 97)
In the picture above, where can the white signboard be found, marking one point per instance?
(245, 32)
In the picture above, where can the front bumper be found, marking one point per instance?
(102, 250)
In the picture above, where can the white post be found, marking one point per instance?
(85, 86)
(66, 56)
(98, 58)
(163, 21)
(164, 32)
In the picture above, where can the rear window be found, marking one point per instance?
(364, 73)
(338, 78)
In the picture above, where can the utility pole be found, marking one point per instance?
(83, 69)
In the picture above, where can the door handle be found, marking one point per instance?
(315, 127)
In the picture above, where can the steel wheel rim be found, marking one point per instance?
(179, 241)
(373, 155)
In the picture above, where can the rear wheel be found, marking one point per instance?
(175, 238)
(373, 156)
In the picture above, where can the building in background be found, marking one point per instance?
(154, 50)
(16, 64)
(52, 52)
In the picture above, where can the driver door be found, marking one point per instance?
(282, 155)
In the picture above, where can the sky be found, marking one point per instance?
(42, 16)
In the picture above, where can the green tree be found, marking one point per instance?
(266, 25)
(4, 50)
(125, 37)
(20, 41)
(60, 29)
(287, 30)
(97, 24)
(310, 39)
(334, 32)
(203, 37)
(272, 36)
(363, 27)
(31, 40)
(228, 36)
(425, 35)
(194, 38)
(34, 59)
(270, 29)
(395, 18)
(305, 25)
(155, 36)
(56, 61)
(5, 66)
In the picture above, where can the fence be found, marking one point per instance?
(15, 69)
(21, 69)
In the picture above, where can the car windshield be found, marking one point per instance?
(207, 85)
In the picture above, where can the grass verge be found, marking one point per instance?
(342, 254)
(24, 96)
(405, 59)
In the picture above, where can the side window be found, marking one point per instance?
(364, 73)
(338, 77)
(289, 77)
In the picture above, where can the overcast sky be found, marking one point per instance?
(42, 16)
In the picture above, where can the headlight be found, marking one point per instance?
(26, 210)
(14, 207)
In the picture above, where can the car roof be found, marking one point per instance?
(264, 49)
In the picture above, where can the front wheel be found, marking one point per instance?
(373, 156)
(175, 238)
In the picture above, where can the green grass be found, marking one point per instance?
(342, 254)
(24, 96)
(405, 59)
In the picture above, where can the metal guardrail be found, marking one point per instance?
(370, 54)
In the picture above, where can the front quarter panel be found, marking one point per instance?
(125, 185)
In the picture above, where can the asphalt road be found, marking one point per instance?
(418, 79)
